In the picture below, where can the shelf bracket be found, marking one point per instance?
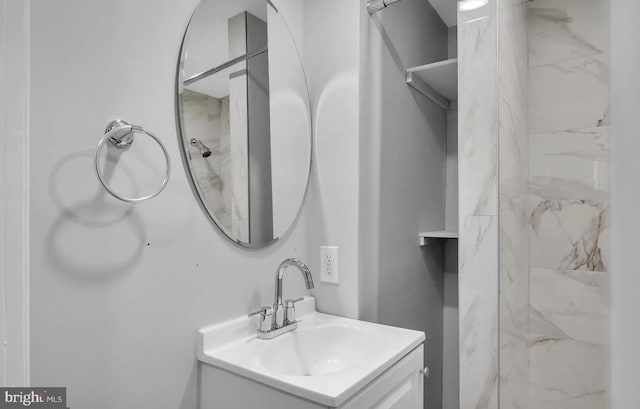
(422, 87)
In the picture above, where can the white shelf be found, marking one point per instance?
(437, 81)
(440, 234)
(431, 237)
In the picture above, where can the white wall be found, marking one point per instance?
(290, 113)
(625, 280)
(332, 63)
(118, 292)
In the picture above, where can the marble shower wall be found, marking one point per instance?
(493, 179)
(207, 119)
(534, 205)
(569, 205)
(514, 218)
(478, 207)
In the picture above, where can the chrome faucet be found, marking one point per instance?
(280, 318)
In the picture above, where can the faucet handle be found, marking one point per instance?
(290, 310)
(262, 310)
(265, 312)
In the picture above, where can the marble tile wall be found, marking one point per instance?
(494, 213)
(569, 203)
(478, 312)
(478, 207)
(514, 218)
(534, 205)
(207, 119)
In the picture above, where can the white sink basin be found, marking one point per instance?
(324, 349)
(326, 360)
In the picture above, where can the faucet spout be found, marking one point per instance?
(304, 270)
(283, 318)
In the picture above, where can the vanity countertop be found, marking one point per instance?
(327, 359)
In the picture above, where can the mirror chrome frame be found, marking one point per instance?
(179, 88)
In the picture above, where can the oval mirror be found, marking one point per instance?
(243, 116)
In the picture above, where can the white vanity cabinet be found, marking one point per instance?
(399, 387)
(326, 362)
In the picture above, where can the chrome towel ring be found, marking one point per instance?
(122, 134)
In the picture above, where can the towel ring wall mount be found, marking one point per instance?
(121, 134)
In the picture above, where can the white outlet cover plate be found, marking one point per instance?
(330, 264)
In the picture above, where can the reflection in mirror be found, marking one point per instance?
(243, 113)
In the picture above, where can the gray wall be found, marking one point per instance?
(402, 142)
(450, 333)
(259, 141)
(625, 88)
(14, 152)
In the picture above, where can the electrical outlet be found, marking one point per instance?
(329, 264)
